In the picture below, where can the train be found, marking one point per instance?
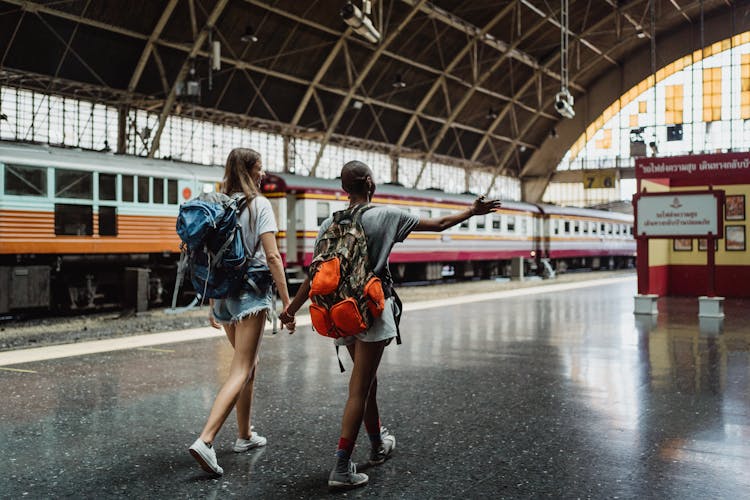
(81, 230)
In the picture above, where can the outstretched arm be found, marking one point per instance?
(481, 206)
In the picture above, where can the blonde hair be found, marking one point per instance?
(237, 177)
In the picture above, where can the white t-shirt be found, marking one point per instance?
(263, 222)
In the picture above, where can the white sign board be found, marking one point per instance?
(675, 214)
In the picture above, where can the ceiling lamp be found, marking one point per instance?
(249, 36)
(399, 82)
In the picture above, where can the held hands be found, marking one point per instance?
(484, 206)
(288, 320)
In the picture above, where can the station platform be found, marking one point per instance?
(551, 391)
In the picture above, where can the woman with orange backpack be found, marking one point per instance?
(243, 314)
(383, 227)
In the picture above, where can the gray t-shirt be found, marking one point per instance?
(384, 226)
(263, 222)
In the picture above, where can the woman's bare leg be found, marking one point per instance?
(371, 415)
(244, 402)
(247, 338)
(367, 357)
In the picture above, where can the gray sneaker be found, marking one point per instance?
(206, 457)
(255, 441)
(346, 480)
(381, 452)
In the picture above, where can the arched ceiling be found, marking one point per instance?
(480, 76)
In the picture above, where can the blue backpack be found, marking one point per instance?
(213, 250)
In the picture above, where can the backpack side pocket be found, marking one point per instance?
(321, 321)
(375, 297)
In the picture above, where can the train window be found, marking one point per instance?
(496, 222)
(609, 228)
(108, 221)
(74, 220)
(25, 181)
(567, 227)
(481, 222)
(594, 225)
(576, 227)
(603, 228)
(127, 188)
(172, 191)
(511, 224)
(555, 226)
(425, 213)
(143, 189)
(323, 210)
(524, 226)
(74, 184)
(585, 227)
(158, 190)
(107, 187)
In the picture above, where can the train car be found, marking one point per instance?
(585, 238)
(482, 246)
(75, 225)
(71, 223)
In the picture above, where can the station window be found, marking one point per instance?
(108, 221)
(74, 220)
(323, 210)
(481, 222)
(158, 190)
(567, 227)
(107, 187)
(172, 191)
(25, 181)
(143, 189)
(512, 224)
(496, 222)
(127, 188)
(74, 184)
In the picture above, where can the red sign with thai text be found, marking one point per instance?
(697, 170)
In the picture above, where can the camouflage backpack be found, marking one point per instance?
(346, 295)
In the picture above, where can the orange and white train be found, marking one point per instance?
(74, 223)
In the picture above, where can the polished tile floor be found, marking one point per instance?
(548, 394)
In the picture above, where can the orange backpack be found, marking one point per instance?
(346, 295)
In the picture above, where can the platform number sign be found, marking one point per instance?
(599, 179)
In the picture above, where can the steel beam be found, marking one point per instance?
(437, 84)
(360, 79)
(199, 41)
(155, 34)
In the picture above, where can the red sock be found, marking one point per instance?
(345, 448)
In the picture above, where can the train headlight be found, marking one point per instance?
(533, 253)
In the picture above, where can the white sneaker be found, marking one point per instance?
(206, 457)
(255, 441)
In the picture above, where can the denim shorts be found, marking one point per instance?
(383, 328)
(248, 301)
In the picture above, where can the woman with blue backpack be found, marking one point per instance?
(383, 226)
(243, 312)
